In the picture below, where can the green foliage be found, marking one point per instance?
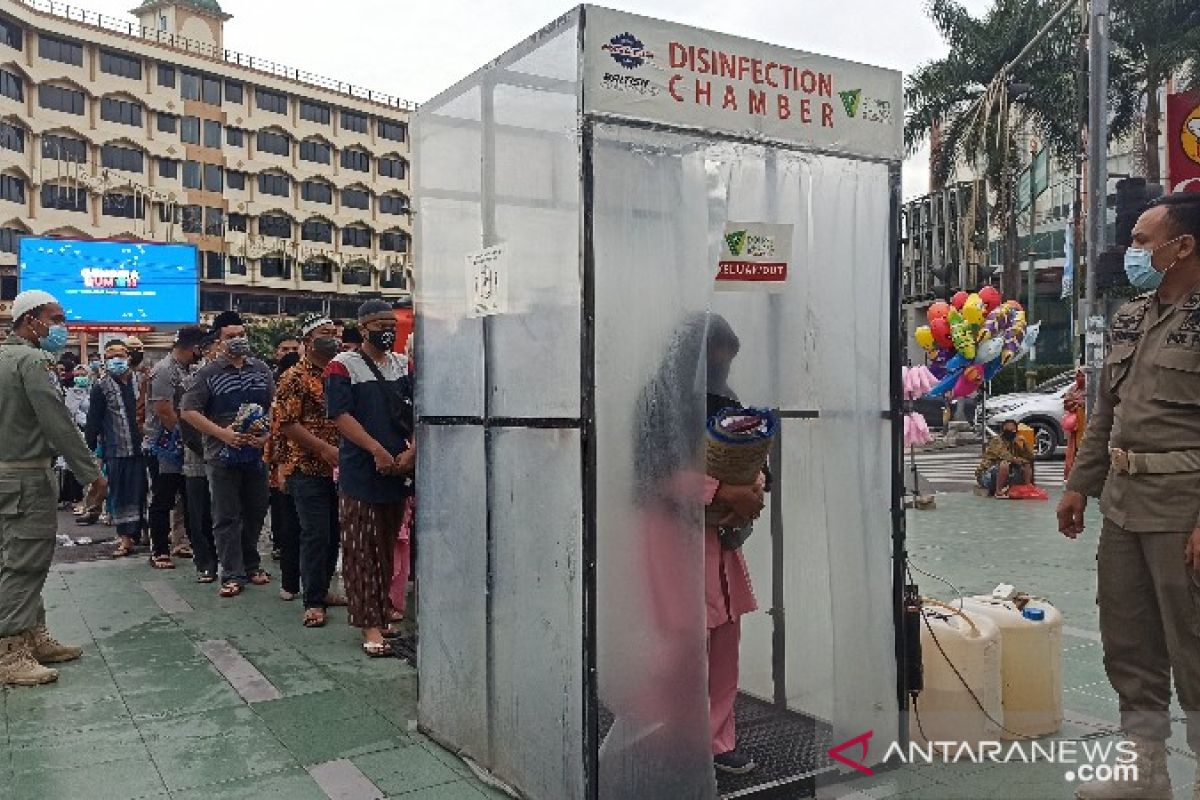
(1012, 378)
(264, 335)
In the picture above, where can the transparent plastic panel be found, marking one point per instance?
(448, 226)
(452, 573)
(653, 284)
(536, 342)
(537, 612)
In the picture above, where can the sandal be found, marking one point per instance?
(230, 589)
(377, 649)
(287, 596)
(335, 600)
(182, 551)
(124, 549)
(260, 577)
(206, 576)
(314, 618)
(162, 562)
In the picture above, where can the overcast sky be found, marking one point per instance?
(415, 48)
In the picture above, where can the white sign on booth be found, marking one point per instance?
(487, 280)
(647, 69)
(754, 257)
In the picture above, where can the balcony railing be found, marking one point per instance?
(76, 14)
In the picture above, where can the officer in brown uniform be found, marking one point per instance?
(1141, 458)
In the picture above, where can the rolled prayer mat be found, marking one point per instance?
(737, 443)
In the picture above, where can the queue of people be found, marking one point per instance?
(152, 445)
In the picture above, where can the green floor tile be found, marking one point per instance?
(54, 720)
(188, 760)
(182, 700)
(96, 745)
(288, 785)
(129, 779)
(460, 790)
(291, 673)
(311, 708)
(320, 740)
(406, 770)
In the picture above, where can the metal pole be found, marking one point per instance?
(1031, 366)
(1097, 217)
(1081, 121)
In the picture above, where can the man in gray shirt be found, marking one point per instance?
(238, 487)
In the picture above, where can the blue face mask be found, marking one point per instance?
(83, 381)
(55, 340)
(1139, 267)
(117, 366)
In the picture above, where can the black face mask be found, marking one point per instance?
(1009, 436)
(382, 340)
(326, 347)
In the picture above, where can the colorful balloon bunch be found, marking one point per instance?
(971, 338)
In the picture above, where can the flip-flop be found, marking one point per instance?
(314, 618)
(206, 577)
(377, 649)
(231, 589)
(123, 550)
(162, 562)
(260, 577)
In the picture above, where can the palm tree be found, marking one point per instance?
(1152, 41)
(967, 105)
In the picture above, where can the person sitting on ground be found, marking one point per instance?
(1007, 462)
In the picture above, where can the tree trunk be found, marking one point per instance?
(1151, 131)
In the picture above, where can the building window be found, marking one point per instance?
(210, 90)
(168, 123)
(214, 265)
(121, 112)
(356, 198)
(318, 270)
(125, 159)
(276, 143)
(355, 122)
(121, 65)
(395, 131)
(189, 85)
(214, 178)
(394, 242)
(314, 112)
(60, 98)
(64, 148)
(392, 168)
(212, 134)
(168, 168)
(123, 205)
(316, 192)
(11, 34)
(166, 76)
(275, 225)
(393, 204)
(235, 137)
(357, 275)
(357, 160)
(191, 175)
(10, 238)
(355, 236)
(61, 50)
(237, 265)
(397, 279)
(192, 219)
(234, 93)
(12, 137)
(276, 267)
(189, 132)
(214, 301)
(316, 151)
(239, 222)
(274, 102)
(63, 198)
(236, 180)
(276, 185)
(12, 189)
(168, 213)
(11, 85)
(214, 221)
(162, 22)
(317, 230)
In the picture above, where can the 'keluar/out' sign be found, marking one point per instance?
(754, 257)
(647, 69)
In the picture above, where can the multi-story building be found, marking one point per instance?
(295, 188)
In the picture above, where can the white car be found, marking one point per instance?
(1042, 409)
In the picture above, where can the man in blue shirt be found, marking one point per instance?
(238, 486)
(368, 396)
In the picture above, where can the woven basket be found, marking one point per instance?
(736, 460)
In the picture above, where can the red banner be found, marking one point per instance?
(112, 328)
(1183, 141)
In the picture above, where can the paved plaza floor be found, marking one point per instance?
(183, 695)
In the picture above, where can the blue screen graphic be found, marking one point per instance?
(115, 282)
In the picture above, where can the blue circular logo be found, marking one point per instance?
(627, 50)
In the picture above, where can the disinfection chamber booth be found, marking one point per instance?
(615, 219)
